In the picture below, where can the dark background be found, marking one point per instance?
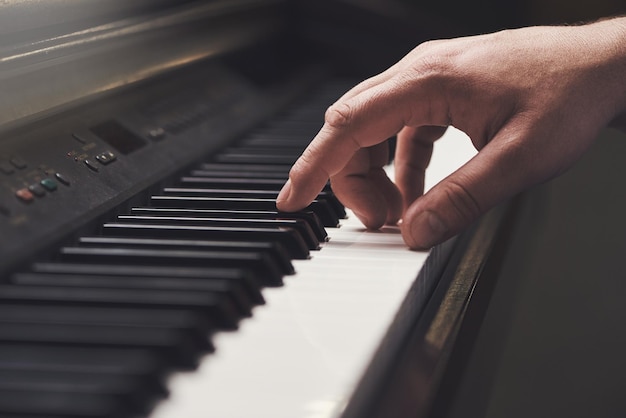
(489, 15)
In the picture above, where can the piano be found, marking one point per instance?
(144, 269)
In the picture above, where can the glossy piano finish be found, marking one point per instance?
(67, 51)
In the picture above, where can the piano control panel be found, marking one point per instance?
(93, 156)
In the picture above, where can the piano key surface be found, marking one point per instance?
(303, 353)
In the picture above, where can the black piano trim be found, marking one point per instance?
(416, 368)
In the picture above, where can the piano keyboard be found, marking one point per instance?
(92, 330)
(104, 325)
(304, 352)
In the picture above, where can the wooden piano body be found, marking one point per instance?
(110, 109)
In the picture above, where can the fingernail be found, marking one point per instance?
(427, 229)
(283, 196)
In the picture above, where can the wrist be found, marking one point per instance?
(613, 37)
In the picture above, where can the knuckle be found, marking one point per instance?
(339, 115)
(463, 202)
(435, 59)
(308, 161)
(433, 65)
(428, 47)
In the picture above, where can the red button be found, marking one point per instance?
(24, 195)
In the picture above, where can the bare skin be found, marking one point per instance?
(532, 101)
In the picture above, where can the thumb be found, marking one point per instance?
(500, 170)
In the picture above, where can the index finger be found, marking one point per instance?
(363, 120)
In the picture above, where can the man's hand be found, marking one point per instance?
(532, 101)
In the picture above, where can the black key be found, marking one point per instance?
(137, 363)
(242, 174)
(273, 141)
(220, 309)
(253, 194)
(248, 183)
(239, 181)
(309, 121)
(141, 367)
(250, 158)
(259, 263)
(324, 195)
(42, 404)
(231, 289)
(287, 237)
(290, 149)
(187, 322)
(299, 225)
(309, 217)
(245, 277)
(123, 389)
(273, 250)
(337, 206)
(268, 168)
(244, 187)
(322, 209)
(175, 345)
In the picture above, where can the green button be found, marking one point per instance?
(49, 184)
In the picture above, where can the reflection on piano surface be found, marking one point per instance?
(137, 212)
